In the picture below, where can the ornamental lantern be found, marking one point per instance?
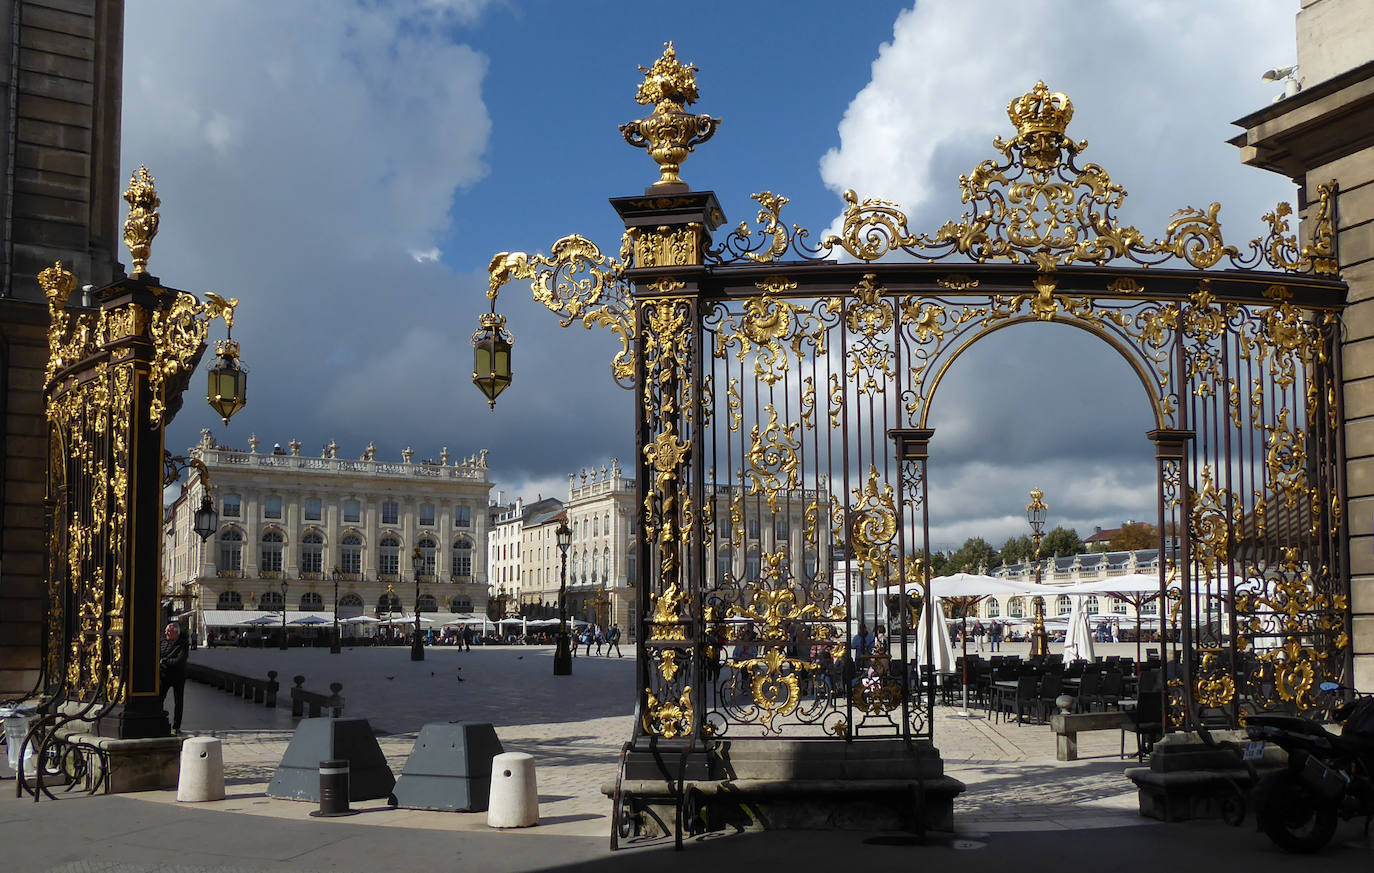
(227, 391)
(491, 346)
(206, 519)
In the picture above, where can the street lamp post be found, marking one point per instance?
(562, 653)
(417, 646)
(335, 644)
(1035, 514)
(283, 615)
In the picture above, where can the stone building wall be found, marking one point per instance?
(61, 62)
(1325, 132)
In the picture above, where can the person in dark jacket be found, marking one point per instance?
(172, 670)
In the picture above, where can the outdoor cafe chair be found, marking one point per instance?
(1145, 720)
(1088, 689)
(1112, 690)
(1021, 700)
(1051, 686)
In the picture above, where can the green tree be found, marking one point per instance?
(974, 553)
(1015, 550)
(1134, 535)
(1061, 541)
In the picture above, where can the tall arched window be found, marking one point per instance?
(582, 565)
(350, 605)
(272, 601)
(606, 566)
(630, 575)
(427, 603)
(389, 556)
(312, 600)
(722, 566)
(312, 552)
(426, 546)
(388, 604)
(994, 608)
(351, 554)
(1016, 608)
(462, 558)
(269, 558)
(229, 600)
(1092, 605)
(1063, 604)
(230, 550)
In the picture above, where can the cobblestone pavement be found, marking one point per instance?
(574, 727)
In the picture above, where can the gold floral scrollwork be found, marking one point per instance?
(575, 281)
(668, 246)
(870, 355)
(874, 524)
(876, 694)
(773, 459)
(1286, 461)
(669, 719)
(836, 400)
(770, 217)
(1212, 525)
(178, 333)
(767, 323)
(773, 684)
(1281, 248)
(1213, 688)
(70, 337)
(665, 615)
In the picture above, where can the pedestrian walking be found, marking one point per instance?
(600, 641)
(173, 653)
(613, 641)
(587, 640)
(978, 632)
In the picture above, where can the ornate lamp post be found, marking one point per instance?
(335, 644)
(283, 615)
(1035, 514)
(562, 653)
(417, 645)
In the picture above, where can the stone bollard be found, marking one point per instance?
(514, 799)
(202, 771)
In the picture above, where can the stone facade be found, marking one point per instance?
(288, 517)
(1318, 134)
(62, 64)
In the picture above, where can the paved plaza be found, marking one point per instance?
(1019, 799)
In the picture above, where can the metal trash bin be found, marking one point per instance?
(18, 720)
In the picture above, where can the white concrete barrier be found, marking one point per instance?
(514, 793)
(202, 771)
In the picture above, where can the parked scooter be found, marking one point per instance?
(1329, 776)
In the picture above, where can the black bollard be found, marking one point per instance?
(333, 789)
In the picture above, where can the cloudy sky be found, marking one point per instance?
(347, 170)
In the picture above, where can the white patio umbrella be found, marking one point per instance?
(1137, 589)
(1078, 642)
(964, 590)
(941, 655)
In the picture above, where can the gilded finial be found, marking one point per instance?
(669, 133)
(1040, 111)
(141, 225)
(57, 283)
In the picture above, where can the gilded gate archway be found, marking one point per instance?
(782, 387)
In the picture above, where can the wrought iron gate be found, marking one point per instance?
(783, 387)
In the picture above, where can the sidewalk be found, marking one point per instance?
(1019, 803)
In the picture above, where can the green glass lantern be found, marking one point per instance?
(227, 391)
(491, 345)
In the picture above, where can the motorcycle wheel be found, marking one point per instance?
(1295, 819)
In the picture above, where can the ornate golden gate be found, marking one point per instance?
(783, 384)
(119, 361)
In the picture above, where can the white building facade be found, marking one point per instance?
(303, 521)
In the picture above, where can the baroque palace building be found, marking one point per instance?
(602, 571)
(289, 518)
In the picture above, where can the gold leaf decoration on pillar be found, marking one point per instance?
(141, 225)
